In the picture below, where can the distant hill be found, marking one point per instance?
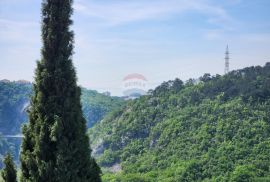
(15, 99)
(4, 147)
(96, 105)
(217, 129)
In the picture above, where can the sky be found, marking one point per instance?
(160, 39)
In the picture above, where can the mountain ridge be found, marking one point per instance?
(215, 130)
(15, 99)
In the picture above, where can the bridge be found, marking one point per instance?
(12, 136)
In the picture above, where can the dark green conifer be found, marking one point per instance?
(55, 145)
(9, 171)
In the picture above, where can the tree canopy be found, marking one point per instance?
(55, 146)
(215, 129)
(9, 171)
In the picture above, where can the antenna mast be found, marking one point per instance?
(227, 59)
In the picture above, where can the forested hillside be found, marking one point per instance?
(4, 147)
(97, 105)
(14, 102)
(14, 99)
(15, 96)
(214, 130)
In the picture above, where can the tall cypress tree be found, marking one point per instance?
(55, 146)
(9, 172)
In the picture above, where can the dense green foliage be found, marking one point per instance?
(215, 130)
(95, 105)
(5, 147)
(14, 97)
(55, 146)
(9, 172)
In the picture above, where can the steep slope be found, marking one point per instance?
(96, 105)
(4, 147)
(14, 99)
(14, 102)
(214, 130)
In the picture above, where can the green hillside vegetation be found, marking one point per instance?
(4, 147)
(96, 105)
(15, 96)
(215, 130)
(14, 102)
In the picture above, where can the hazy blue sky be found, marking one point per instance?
(161, 39)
